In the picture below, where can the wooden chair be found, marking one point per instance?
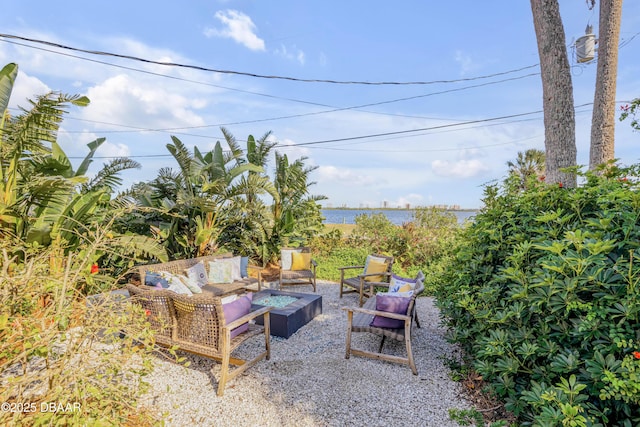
(197, 324)
(360, 319)
(362, 282)
(288, 276)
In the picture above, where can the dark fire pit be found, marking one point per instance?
(288, 319)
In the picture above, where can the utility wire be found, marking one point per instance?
(262, 76)
(356, 107)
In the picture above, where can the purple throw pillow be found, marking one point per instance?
(235, 310)
(390, 304)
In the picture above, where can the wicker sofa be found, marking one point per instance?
(219, 289)
(198, 324)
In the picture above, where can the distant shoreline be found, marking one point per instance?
(397, 209)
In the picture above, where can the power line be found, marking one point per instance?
(356, 107)
(241, 73)
(360, 137)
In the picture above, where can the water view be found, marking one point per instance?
(396, 216)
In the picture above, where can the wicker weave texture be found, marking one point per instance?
(197, 324)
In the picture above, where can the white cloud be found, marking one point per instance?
(458, 169)
(121, 99)
(238, 27)
(466, 63)
(328, 174)
(108, 149)
(288, 147)
(26, 87)
(295, 54)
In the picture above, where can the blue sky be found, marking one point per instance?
(424, 154)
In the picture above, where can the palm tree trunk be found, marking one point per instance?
(557, 91)
(603, 119)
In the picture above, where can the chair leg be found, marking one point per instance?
(381, 344)
(349, 322)
(267, 334)
(415, 313)
(224, 372)
(407, 340)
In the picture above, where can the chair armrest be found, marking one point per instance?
(377, 313)
(314, 263)
(244, 319)
(351, 266)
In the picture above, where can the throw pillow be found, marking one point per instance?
(244, 266)
(155, 279)
(373, 258)
(375, 267)
(234, 263)
(175, 284)
(219, 272)
(406, 294)
(398, 282)
(228, 299)
(235, 310)
(236, 267)
(197, 273)
(193, 285)
(390, 304)
(300, 261)
(285, 258)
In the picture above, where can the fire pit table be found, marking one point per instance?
(291, 310)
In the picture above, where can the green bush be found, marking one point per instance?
(87, 359)
(543, 292)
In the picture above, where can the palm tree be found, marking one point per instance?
(528, 165)
(43, 198)
(193, 198)
(296, 214)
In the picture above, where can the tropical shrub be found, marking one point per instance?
(543, 293)
(66, 360)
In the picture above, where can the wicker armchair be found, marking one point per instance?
(363, 281)
(196, 324)
(360, 320)
(289, 276)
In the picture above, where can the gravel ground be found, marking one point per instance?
(308, 381)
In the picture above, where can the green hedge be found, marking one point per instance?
(543, 293)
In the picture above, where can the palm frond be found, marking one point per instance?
(108, 176)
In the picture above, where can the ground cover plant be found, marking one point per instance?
(543, 295)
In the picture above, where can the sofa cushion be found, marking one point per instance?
(192, 284)
(220, 272)
(235, 310)
(175, 284)
(390, 304)
(155, 279)
(197, 273)
(285, 258)
(244, 266)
